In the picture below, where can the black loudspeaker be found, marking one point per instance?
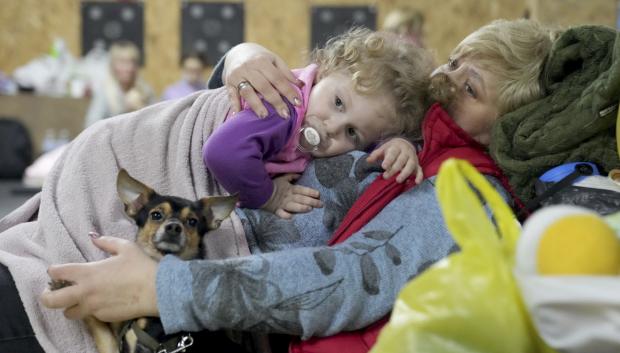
(328, 21)
(105, 22)
(211, 28)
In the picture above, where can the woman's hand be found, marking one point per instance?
(265, 73)
(398, 155)
(121, 287)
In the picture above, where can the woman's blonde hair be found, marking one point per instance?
(381, 63)
(515, 53)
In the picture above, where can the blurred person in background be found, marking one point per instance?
(192, 80)
(122, 90)
(407, 23)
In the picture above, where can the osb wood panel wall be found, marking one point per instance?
(27, 27)
(566, 13)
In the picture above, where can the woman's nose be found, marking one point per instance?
(458, 76)
(454, 75)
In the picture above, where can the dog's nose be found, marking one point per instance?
(174, 228)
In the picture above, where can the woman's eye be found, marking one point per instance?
(156, 216)
(192, 222)
(470, 91)
(452, 64)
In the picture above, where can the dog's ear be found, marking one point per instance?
(133, 193)
(217, 208)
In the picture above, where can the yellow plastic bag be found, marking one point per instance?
(469, 301)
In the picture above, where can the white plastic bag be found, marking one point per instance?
(574, 313)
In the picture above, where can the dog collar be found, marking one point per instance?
(176, 344)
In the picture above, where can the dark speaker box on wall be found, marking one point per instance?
(329, 21)
(105, 22)
(211, 29)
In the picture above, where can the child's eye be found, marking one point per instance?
(156, 215)
(352, 134)
(339, 103)
(470, 90)
(192, 222)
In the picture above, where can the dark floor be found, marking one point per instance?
(12, 195)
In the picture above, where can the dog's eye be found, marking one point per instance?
(156, 216)
(192, 222)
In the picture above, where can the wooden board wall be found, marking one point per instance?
(27, 27)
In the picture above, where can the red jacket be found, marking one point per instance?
(443, 139)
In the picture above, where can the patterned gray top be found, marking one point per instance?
(340, 180)
(295, 284)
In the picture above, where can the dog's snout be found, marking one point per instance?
(170, 237)
(174, 228)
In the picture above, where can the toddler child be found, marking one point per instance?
(360, 89)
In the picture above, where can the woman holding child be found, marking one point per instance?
(474, 94)
(320, 290)
(163, 147)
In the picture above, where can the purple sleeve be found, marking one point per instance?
(236, 153)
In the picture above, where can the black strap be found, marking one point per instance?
(581, 169)
(146, 339)
(121, 334)
(171, 345)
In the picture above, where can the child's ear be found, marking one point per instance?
(217, 208)
(133, 193)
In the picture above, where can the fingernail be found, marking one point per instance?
(300, 83)
(94, 235)
(263, 114)
(284, 112)
(233, 112)
(296, 101)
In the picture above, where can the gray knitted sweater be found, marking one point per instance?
(295, 284)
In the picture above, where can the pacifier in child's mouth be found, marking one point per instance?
(310, 135)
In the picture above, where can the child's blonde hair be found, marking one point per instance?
(381, 63)
(515, 52)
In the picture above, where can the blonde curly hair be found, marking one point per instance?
(515, 52)
(381, 63)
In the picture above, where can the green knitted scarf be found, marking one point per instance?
(575, 121)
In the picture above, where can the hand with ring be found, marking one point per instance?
(243, 84)
(250, 70)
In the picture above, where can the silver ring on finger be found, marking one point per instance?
(243, 84)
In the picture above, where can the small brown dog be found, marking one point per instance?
(166, 225)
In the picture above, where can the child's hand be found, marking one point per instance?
(397, 154)
(288, 199)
